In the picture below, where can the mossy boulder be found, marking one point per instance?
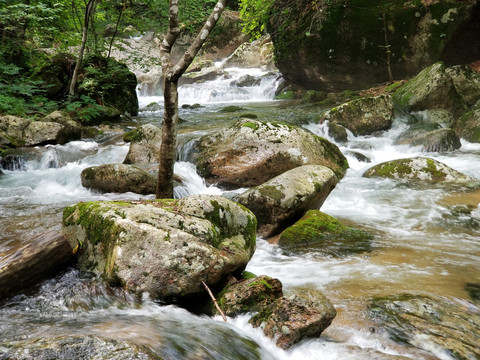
(466, 82)
(110, 83)
(292, 319)
(284, 199)
(255, 54)
(363, 116)
(443, 139)
(432, 88)
(445, 325)
(468, 126)
(250, 152)
(163, 247)
(420, 170)
(250, 295)
(322, 233)
(55, 128)
(119, 178)
(336, 45)
(145, 142)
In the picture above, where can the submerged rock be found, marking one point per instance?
(145, 143)
(284, 199)
(319, 232)
(290, 320)
(13, 162)
(119, 178)
(419, 170)
(165, 247)
(427, 323)
(443, 139)
(77, 347)
(251, 152)
(32, 262)
(363, 116)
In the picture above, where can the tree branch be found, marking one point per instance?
(172, 34)
(194, 48)
(215, 302)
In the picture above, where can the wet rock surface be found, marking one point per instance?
(321, 233)
(427, 323)
(284, 199)
(250, 152)
(165, 247)
(145, 143)
(420, 170)
(363, 116)
(119, 178)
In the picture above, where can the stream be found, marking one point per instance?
(422, 244)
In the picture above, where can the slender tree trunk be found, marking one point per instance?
(78, 65)
(116, 28)
(387, 49)
(171, 74)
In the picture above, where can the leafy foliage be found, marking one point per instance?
(255, 15)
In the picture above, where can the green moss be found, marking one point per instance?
(248, 275)
(393, 87)
(437, 175)
(326, 234)
(262, 282)
(253, 126)
(391, 168)
(272, 192)
(133, 136)
(231, 108)
(286, 95)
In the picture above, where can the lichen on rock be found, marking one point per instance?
(163, 247)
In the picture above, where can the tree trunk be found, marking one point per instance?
(78, 65)
(169, 140)
(171, 74)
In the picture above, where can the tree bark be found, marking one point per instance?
(171, 74)
(78, 65)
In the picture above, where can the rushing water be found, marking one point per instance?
(422, 246)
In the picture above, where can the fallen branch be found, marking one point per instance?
(215, 302)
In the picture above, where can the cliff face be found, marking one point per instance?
(346, 44)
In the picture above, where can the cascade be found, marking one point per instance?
(421, 245)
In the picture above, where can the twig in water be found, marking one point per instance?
(215, 302)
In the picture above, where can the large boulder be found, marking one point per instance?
(468, 126)
(419, 170)
(110, 83)
(363, 116)
(250, 152)
(145, 143)
(11, 130)
(258, 53)
(71, 130)
(55, 128)
(165, 247)
(449, 327)
(322, 233)
(32, 262)
(466, 82)
(432, 88)
(339, 45)
(284, 199)
(119, 178)
(290, 320)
